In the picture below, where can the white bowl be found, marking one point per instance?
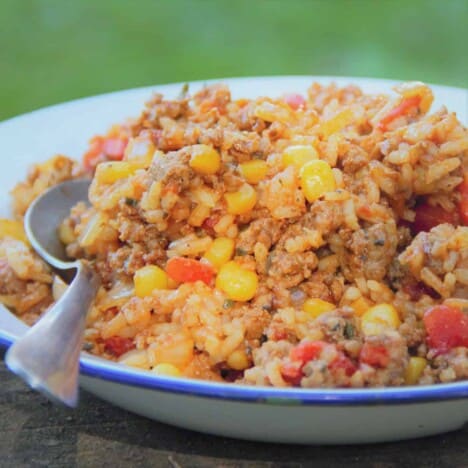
(321, 416)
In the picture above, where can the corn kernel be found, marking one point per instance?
(66, 234)
(336, 123)
(254, 171)
(149, 278)
(316, 179)
(110, 172)
(414, 370)
(220, 251)
(298, 155)
(315, 307)
(361, 305)
(238, 283)
(270, 112)
(238, 360)
(139, 151)
(13, 229)
(205, 159)
(242, 201)
(379, 318)
(166, 369)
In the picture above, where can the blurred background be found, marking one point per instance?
(55, 50)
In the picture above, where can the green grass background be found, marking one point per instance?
(57, 50)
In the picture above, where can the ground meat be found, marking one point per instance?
(172, 170)
(326, 216)
(439, 259)
(339, 325)
(448, 367)
(25, 297)
(242, 145)
(265, 230)
(412, 330)
(255, 321)
(290, 269)
(392, 373)
(9, 282)
(40, 178)
(368, 251)
(354, 159)
(326, 286)
(135, 231)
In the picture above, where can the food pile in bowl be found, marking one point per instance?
(314, 240)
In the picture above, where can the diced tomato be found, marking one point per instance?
(92, 156)
(292, 373)
(416, 289)
(402, 109)
(463, 205)
(102, 149)
(343, 362)
(210, 223)
(278, 335)
(117, 345)
(295, 101)
(188, 270)
(114, 148)
(429, 216)
(446, 327)
(374, 355)
(306, 351)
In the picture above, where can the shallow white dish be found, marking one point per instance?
(319, 416)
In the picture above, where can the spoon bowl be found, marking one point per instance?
(47, 356)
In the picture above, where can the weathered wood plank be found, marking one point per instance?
(33, 432)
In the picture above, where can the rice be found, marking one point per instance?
(256, 270)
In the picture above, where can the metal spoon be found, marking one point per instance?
(47, 356)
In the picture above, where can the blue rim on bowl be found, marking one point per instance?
(101, 369)
(97, 368)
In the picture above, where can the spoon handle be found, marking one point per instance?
(47, 356)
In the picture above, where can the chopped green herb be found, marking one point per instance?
(131, 202)
(184, 91)
(348, 331)
(228, 303)
(87, 346)
(240, 252)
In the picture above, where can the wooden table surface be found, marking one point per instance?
(35, 433)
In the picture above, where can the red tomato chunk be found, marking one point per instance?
(102, 149)
(446, 327)
(117, 345)
(295, 101)
(188, 270)
(400, 110)
(463, 205)
(428, 216)
(292, 373)
(374, 355)
(306, 351)
(343, 363)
